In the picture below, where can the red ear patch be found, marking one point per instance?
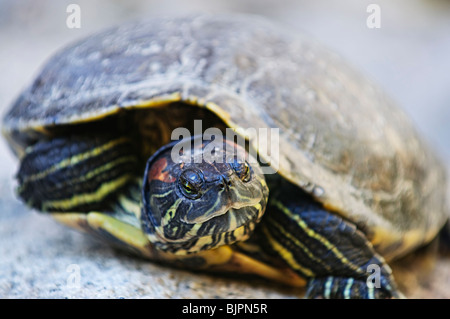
(158, 172)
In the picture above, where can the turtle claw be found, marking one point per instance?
(349, 288)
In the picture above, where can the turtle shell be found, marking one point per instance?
(340, 138)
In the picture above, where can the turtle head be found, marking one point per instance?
(199, 195)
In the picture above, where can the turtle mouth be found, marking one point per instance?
(236, 224)
(233, 218)
(231, 208)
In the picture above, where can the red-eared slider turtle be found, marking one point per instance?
(354, 187)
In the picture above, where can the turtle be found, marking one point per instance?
(227, 143)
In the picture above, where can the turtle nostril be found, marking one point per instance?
(224, 183)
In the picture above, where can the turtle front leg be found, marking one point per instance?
(335, 257)
(76, 173)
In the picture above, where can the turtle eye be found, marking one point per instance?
(190, 183)
(243, 171)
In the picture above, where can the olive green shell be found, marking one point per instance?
(341, 138)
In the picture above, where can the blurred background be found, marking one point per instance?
(408, 56)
